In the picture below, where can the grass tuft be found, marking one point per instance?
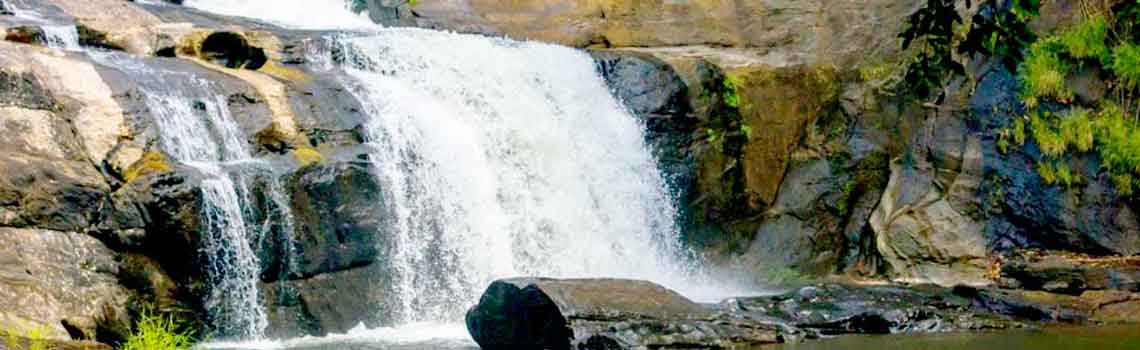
(155, 332)
(1043, 73)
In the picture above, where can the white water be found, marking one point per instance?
(196, 129)
(504, 159)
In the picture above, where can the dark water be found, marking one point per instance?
(1100, 338)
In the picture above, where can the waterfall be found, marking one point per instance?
(506, 158)
(58, 36)
(498, 158)
(64, 37)
(195, 129)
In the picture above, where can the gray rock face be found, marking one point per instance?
(332, 302)
(602, 314)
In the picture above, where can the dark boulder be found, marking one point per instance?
(340, 217)
(233, 51)
(531, 313)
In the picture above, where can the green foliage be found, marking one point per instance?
(1043, 73)
(731, 96)
(1048, 139)
(1077, 129)
(934, 26)
(1057, 174)
(1119, 142)
(154, 332)
(1126, 64)
(1001, 31)
(1087, 40)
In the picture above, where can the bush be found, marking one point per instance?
(1043, 73)
(155, 332)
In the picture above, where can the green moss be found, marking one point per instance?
(1126, 64)
(1119, 142)
(158, 332)
(151, 162)
(1087, 40)
(306, 156)
(731, 96)
(1043, 73)
(1019, 131)
(1057, 174)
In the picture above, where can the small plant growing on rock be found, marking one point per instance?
(155, 332)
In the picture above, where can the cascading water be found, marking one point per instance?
(506, 158)
(59, 36)
(195, 129)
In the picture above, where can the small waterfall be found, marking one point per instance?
(58, 36)
(196, 129)
(64, 37)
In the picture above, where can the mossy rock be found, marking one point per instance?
(151, 162)
(306, 156)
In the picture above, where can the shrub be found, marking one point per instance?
(1087, 40)
(155, 332)
(1043, 73)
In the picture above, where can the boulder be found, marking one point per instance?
(62, 283)
(529, 313)
(340, 218)
(333, 302)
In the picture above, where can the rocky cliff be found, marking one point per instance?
(788, 155)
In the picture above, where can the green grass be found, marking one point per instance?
(1126, 64)
(1043, 73)
(155, 332)
(1057, 174)
(1087, 40)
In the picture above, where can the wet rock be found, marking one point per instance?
(833, 309)
(603, 314)
(327, 303)
(340, 218)
(62, 283)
